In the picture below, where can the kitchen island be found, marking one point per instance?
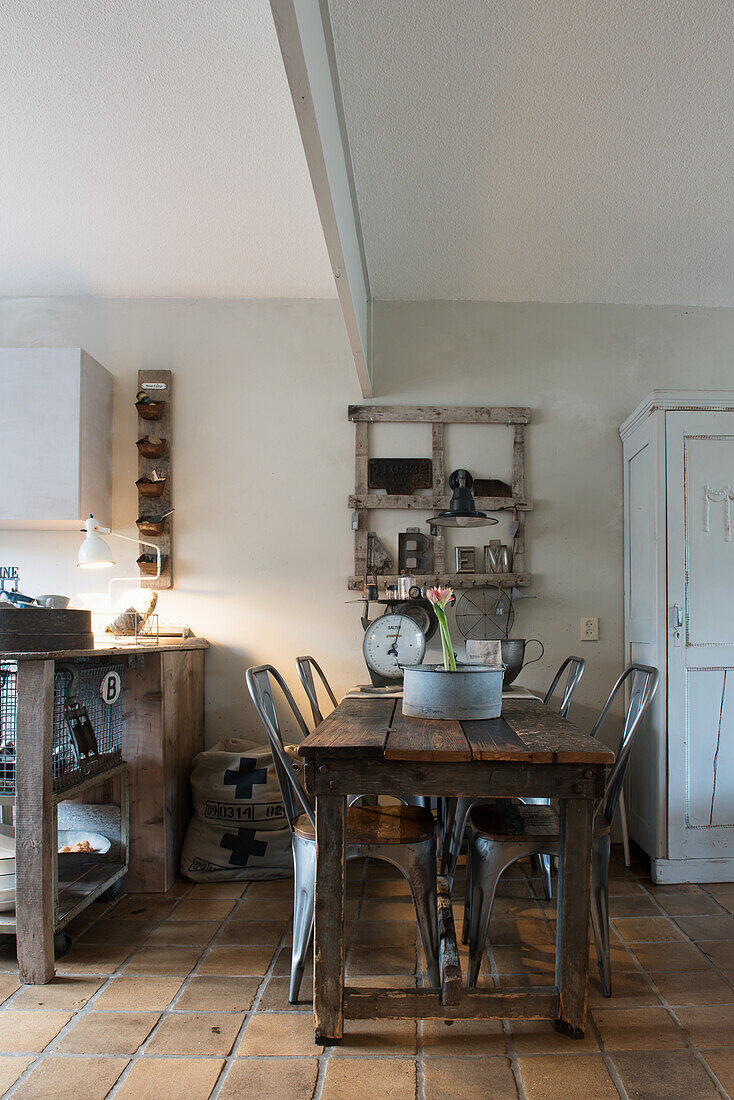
(161, 731)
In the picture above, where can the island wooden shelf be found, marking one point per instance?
(162, 731)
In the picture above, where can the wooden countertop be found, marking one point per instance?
(169, 645)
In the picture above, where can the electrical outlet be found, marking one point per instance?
(589, 630)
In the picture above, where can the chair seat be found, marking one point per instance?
(511, 822)
(379, 825)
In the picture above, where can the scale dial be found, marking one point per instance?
(391, 642)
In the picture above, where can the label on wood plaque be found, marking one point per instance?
(154, 386)
(110, 688)
(400, 476)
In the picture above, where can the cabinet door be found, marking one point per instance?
(700, 499)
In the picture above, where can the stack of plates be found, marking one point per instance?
(7, 868)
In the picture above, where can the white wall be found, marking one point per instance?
(261, 474)
(264, 457)
(583, 369)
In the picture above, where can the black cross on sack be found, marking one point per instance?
(245, 777)
(242, 845)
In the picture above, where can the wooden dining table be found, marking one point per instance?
(367, 745)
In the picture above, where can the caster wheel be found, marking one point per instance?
(113, 891)
(62, 943)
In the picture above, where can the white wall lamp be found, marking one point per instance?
(94, 553)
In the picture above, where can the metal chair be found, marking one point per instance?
(306, 677)
(304, 665)
(411, 845)
(575, 666)
(505, 831)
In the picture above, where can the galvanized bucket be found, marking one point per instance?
(472, 692)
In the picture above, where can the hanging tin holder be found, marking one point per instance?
(78, 722)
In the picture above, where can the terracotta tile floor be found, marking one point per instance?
(187, 996)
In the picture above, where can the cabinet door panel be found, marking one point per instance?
(709, 748)
(700, 501)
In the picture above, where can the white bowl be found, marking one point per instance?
(100, 843)
(7, 841)
(7, 893)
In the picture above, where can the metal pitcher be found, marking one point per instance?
(513, 657)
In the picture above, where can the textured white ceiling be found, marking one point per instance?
(561, 150)
(150, 147)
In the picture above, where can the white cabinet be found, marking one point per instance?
(55, 438)
(679, 615)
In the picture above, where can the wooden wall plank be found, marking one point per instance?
(518, 462)
(428, 502)
(449, 414)
(439, 489)
(154, 506)
(361, 464)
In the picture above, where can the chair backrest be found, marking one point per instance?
(643, 684)
(259, 684)
(306, 676)
(575, 666)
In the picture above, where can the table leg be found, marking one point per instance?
(34, 873)
(572, 930)
(328, 973)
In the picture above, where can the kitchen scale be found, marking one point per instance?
(391, 641)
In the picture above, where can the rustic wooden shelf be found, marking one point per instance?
(158, 505)
(455, 580)
(432, 504)
(446, 414)
(361, 502)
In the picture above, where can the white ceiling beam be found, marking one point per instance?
(307, 45)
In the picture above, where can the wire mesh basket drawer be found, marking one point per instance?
(86, 685)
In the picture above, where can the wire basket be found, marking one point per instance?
(125, 628)
(106, 719)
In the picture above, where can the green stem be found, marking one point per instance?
(448, 649)
(444, 647)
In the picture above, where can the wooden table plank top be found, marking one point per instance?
(374, 726)
(494, 738)
(543, 730)
(425, 739)
(357, 727)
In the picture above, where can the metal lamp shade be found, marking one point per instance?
(462, 511)
(94, 553)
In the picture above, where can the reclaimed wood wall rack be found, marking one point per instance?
(154, 498)
(363, 501)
